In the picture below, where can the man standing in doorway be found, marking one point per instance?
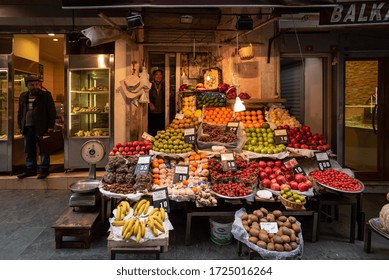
(157, 103)
(36, 116)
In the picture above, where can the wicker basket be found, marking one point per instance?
(291, 204)
(246, 53)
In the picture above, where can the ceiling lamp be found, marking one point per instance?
(244, 22)
(186, 19)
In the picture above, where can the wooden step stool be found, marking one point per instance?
(155, 246)
(74, 224)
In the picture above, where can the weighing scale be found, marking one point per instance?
(84, 195)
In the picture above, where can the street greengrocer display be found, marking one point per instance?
(274, 175)
(127, 149)
(292, 200)
(210, 99)
(284, 239)
(218, 115)
(186, 122)
(280, 116)
(262, 140)
(250, 118)
(337, 180)
(140, 222)
(216, 133)
(119, 175)
(171, 141)
(204, 196)
(303, 138)
(163, 169)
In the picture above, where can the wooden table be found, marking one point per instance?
(229, 210)
(155, 246)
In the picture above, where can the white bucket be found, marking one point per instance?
(221, 230)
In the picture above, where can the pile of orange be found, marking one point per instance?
(250, 118)
(218, 115)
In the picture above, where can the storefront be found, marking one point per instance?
(322, 56)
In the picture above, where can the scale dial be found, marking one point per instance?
(93, 151)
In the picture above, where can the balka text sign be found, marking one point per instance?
(368, 12)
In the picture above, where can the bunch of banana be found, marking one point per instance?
(141, 207)
(122, 210)
(155, 220)
(134, 227)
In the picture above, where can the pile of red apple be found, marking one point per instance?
(303, 138)
(276, 176)
(127, 149)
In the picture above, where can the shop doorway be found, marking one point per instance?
(47, 52)
(167, 62)
(304, 83)
(366, 139)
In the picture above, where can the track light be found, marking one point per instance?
(134, 21)
(244, 22)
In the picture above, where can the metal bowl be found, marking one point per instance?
(85, 186)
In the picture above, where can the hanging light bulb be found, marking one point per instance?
(208, 76)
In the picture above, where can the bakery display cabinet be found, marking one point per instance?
(89, 115)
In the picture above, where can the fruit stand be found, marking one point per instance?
(219, 162)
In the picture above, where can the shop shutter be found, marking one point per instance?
(292, 87)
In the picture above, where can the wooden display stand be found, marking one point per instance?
(373, 225)
(155, 246)
(74, 224)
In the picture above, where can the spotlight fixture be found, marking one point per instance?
(186, 19)
(244, 22)
(134, 21)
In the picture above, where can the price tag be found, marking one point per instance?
(147, 136)
(270, 227)
(143, 164)
(180, 116)
(181, 172)
(233, 127)
(228, 162)
(281, 136)
(297, 168)
(161, 199)
(189, 135)
(323, 162)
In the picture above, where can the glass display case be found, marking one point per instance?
(89, 103)
(5, 131)
(88, 111)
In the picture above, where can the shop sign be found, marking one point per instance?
(181, 173)
(228, 162)
(143, 165)
(368, 12)
(297, 168)
(323, 162)
(189, 135)
(233, 127)
(161, 199)
(281, 136)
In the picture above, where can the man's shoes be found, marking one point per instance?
(27, 173)
(43, 174)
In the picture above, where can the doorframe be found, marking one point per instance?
(383, 60)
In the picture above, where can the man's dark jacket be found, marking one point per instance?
(44, 111)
